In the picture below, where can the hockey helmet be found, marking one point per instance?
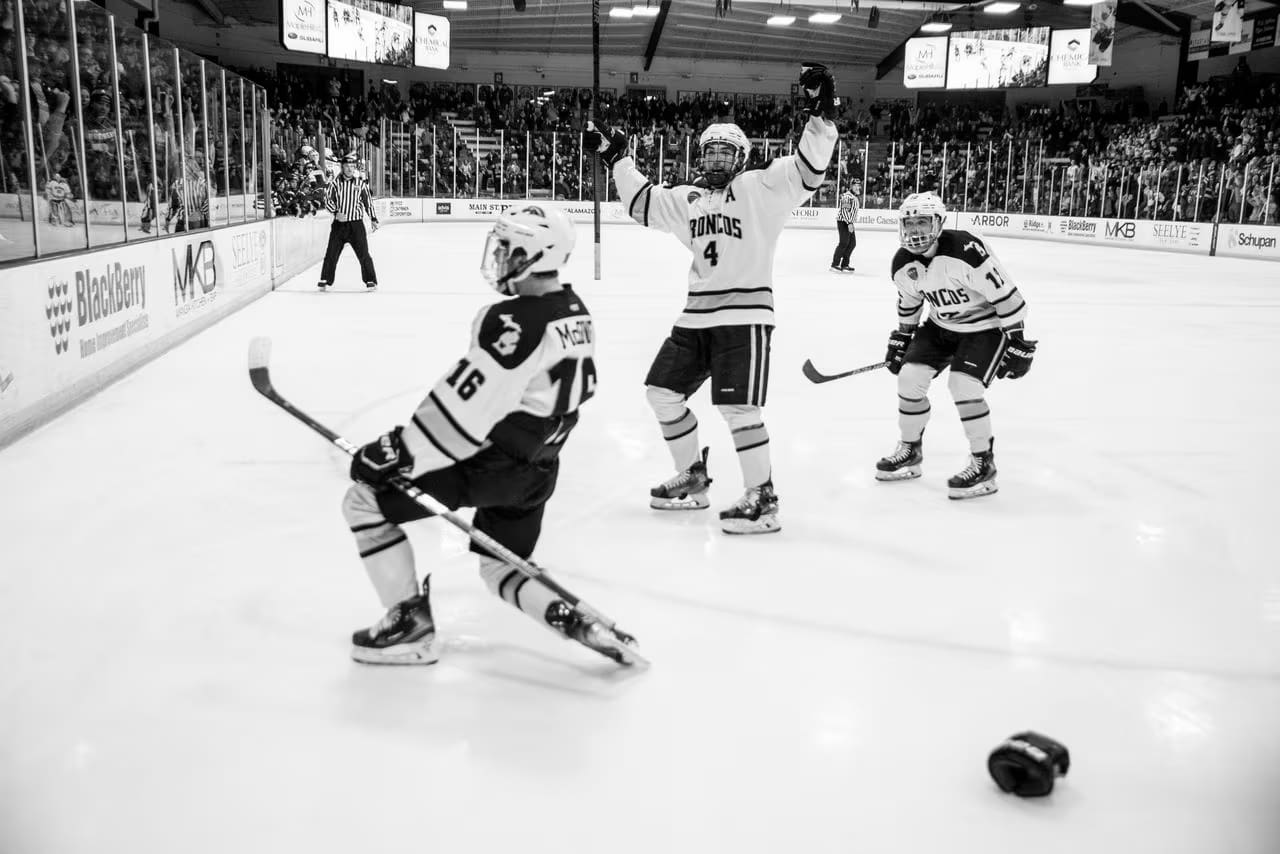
(526, 239)
(724, 149)
(920, 221)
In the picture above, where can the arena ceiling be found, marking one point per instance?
(685, 31)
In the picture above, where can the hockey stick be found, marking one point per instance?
(260, 376)
(815, 376)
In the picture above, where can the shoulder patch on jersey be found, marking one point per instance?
(512, 330)
(693, 196)
(963, 245)
(901, 258)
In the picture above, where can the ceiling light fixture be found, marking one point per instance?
(781, 20)
(645, 11)
(1000, 8)
(620, 12)
(824, 18)
(936, 24)
(456, 5)
(1081, 2)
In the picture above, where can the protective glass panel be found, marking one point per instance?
(135, 121)
(58, 148)
(104, 193)
(16, 216)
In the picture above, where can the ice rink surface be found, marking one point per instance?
(178, 587)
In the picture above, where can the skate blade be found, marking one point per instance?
(612, 647)
(908, 473)
(973, 491)
(763, 525)
(695, 501)
(409, 653)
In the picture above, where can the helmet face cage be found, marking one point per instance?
(720, 162)
(921, 220)
(723, 148)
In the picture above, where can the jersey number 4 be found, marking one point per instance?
(710, 253)
(565, 375)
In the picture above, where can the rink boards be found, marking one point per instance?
(70, 325)
(1231, 240)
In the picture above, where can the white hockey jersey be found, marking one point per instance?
(531, 365)
(966, 286)
(732, 232)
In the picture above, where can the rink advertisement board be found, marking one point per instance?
(1249, 241)
(611, 213)
(70, 325)
(1192, 237)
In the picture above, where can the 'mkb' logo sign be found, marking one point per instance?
(198, 268)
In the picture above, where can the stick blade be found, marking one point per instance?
(811, 373)
(259, 357)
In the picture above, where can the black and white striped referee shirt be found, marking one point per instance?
(848, 208)
(348, 199)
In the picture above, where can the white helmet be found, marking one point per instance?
(918, 205)
(526, 239)
(728, 158)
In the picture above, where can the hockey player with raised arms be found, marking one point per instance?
(730, 220)
(975, 328)
(488, 435)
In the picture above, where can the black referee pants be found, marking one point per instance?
(340, 234)
(845, 247)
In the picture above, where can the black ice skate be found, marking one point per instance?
(903, 463)
(978, 479)
(756, 512)
(686, 491)
(406, 635)
(323, 285)
(591, 633)
(370, 286)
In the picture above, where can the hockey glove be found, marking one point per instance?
(897, 350)
(1028, 763)
(819, 90)
(382, 459)
(1017, 357)
(611, 144)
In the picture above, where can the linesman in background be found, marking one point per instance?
(347, 197)
(846, 216)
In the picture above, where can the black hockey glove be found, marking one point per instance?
(382, 459)
(611, 144)
(1028, 763)
(897, 350)
(819, 90)
(1018, 354)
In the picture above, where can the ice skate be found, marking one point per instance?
(979, 478)
(406, 635)
(370, 286)
(903, 463)
(836, 269)
(756, 512)
(591, 633)
(846, 269)
(323, 285)
(686, 491)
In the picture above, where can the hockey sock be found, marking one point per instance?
(384, 547)
(513, 586)
(682, 439)
(752, 443)
(913, 415)
(975, 414)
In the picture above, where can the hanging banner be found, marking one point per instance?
(1102, 32)
(1246, 40)
(1264, 32)
(1198, 46)
(1228, 20)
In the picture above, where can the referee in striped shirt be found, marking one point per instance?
(846, 216)
(347, 197)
